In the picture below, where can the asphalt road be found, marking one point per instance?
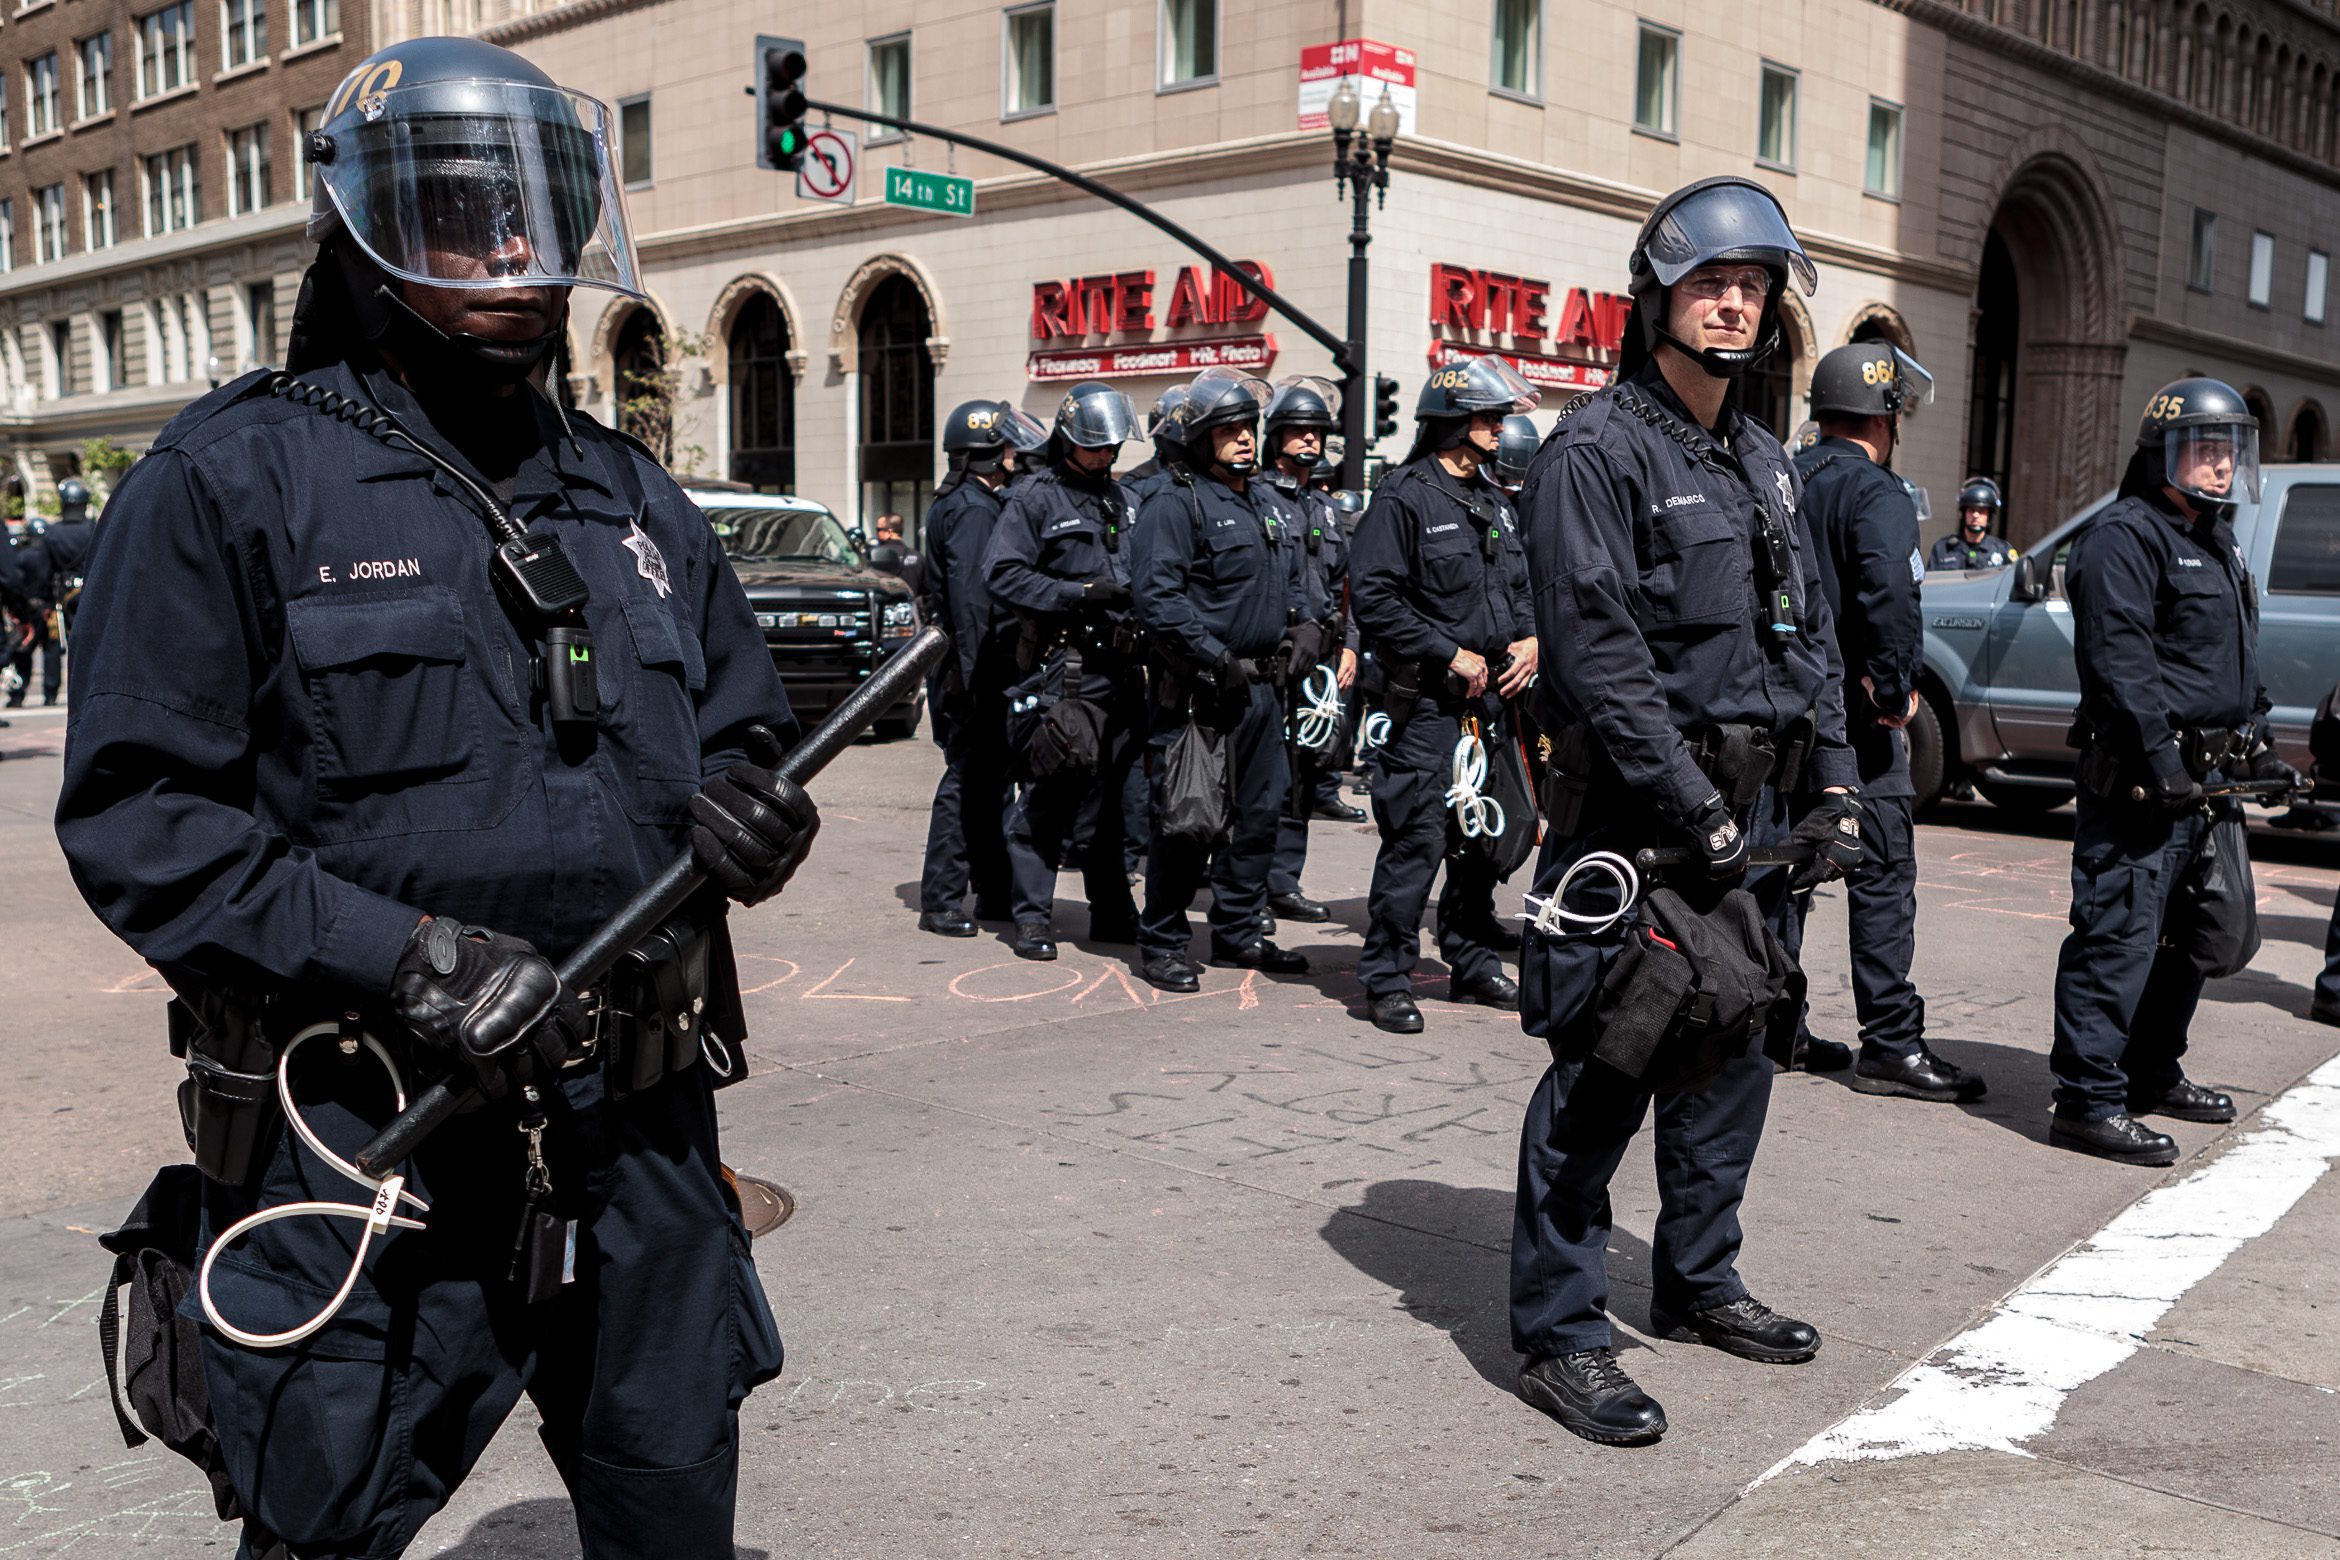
(1081, 1269)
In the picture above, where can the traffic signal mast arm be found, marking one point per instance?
(1332, 343)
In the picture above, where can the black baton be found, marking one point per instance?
(2138, 793)
(1659, 859)
(598, 954)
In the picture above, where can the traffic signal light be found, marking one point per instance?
(780, 135)
(1384, 407)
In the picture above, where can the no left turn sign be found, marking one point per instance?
(827, 172)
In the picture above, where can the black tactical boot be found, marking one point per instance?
(2186, 1100)
(1590, 1394)
(1919, 1075)
(2121, 1138)
(1298, 907)
(1498, 991)
(1338, 811)
(1262, 955)
(947, 923)
(1814, 1054)
(1173, 972)
(1745, 1327)
(1034, 940)
(1397, 1013)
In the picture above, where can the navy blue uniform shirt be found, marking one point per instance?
(66, 546)
(1324, 551)
(1421, 581)
(2165, 630)
(958, 539)
(1056, 532)
(1955, 552)
(301, 715)
(1641, 542)
(1864, 529)
(1214, 570)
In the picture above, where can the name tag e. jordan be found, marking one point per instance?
(369, 569)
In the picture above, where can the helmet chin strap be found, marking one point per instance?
(426, 351)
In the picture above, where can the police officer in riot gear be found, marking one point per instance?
(1864, 529)
(1514, 448)
(2165, 621)
(1300, 413)
(331, 756)
(1972, 546)
(1162, 429)
(1688, 644)
(1438, 596)
(1216, 573)
(965, 842)
(1059, 563)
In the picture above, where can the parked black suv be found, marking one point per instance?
(828, 617)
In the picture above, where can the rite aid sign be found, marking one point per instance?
(1066, 314)
(1568, 345)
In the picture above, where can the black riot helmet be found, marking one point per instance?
(1322, 474)
(1348, 501)
(1220, 398)
(1515, 449)
(1456, 392)
(1095, 416)
(1980, 493)
(451, 163)
(2199, 437)
(1869, 379)
(1301, 401)
(1711, 222)
(980, 435)
(72, 499)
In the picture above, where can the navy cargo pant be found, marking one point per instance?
(1237, 872)
(1081, 813)
(1584, 1113)
(346, 1443)
(2123, 1003)
(1880, 928)
(966, 838)
(1409, 805)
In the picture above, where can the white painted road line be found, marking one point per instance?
(2004, 1381)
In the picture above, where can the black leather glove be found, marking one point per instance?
(1107, 593)
(485, 1000)
(1719, 838)
(2176, 793)
(1301, 652)
(751, 830)
(1229, 673)
(1833, 830)
(2264, 764)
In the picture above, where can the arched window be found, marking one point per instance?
(2264, 410)
(2307, 434)
(645, 401)
(763, 398)
(897, 404)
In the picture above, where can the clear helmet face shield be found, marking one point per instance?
(474, 183)
(1024, 433)
(1096, 417)
(1730, 221)
(1912, 386)
(2215, 462)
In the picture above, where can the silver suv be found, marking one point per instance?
(1998, 678)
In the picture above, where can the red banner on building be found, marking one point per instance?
(1545, 373)
(1255, 354)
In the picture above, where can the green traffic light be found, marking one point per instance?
(791, 142)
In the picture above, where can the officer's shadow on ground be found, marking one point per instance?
(1446, 1250)
(534, 1530)
(2021, 1089)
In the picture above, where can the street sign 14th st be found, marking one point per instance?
(945, 194)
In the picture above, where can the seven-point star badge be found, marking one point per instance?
(647, 559)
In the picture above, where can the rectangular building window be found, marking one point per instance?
(172, 198)
(1775, 129)
(2262, 294)
(260, 322)
(634, 140)
(1656, 80)
(7, 233)
(1188, 46)
(93, 75)
(40, 95)
(1884, 175)
(106, 351)
(247, 155)
(165, 41)
(1029, 61)
(3, 111)
(2202, 259)
(314, 19)
(2319, 277)
(97, 209)
(1518, 66)
(889, 83)
(304, 121)
(243, 32)
(49, 222)
(61, 349)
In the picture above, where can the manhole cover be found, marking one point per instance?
(764, 1205)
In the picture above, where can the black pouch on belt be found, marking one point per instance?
(227, 1102)
(1795, 756)
(1567, 779)
(654, 1008)
(1739, 760)
(1692, 989)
